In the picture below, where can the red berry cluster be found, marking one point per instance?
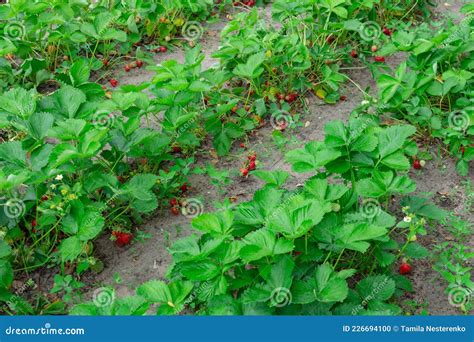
(174, 203)
(159, 49)
(130, 66)
(249, 165)
(290, 97)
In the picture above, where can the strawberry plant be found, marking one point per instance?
(292, 252)
(438, 96)
(39, 37)
(80, 160)
(67, 185)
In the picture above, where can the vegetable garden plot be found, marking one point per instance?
(337, 226)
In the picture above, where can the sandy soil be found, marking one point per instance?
(149, 259)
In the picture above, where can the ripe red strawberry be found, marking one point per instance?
(175, 211)
(184, 188)
(404, 268)
(122, 238)
(374, 48)
(417, 164)
(242, 145)
(105, 62)
(127, 68)
(173, 202)
(139, 63)
(163, 49)
(354, 54)
(291, 97)
(113, 82)
(281, 97)
(387, 32)
(252, 157)
(44, 198)
(251, 165)
(33, 223)
(462, 149)
(379, 59)
(343, 98)
(244, 172)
